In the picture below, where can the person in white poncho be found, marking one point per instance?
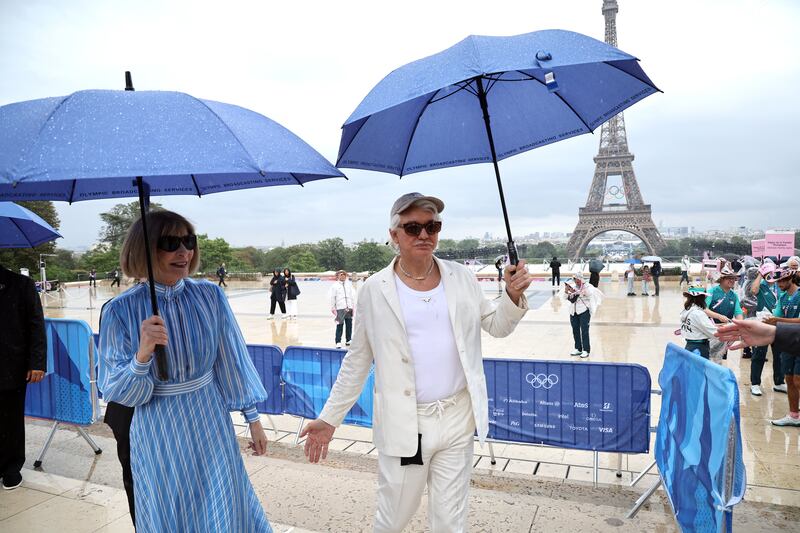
(696, 327)
(583, 299)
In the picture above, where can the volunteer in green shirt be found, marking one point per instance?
(722, 303)
(764, 299)
(788, 311)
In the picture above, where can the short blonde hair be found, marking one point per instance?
(133, 258)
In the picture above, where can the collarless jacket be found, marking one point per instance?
(380, 336)
(23, 345)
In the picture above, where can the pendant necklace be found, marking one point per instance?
(417, 278)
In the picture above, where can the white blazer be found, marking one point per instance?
(379, 335)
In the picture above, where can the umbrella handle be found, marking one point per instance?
(513, 257)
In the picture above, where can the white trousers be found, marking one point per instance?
(291, 307)
(448, 429)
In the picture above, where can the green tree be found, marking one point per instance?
(370, 256)
(118, 219)
(250, 258)
(468, 244)
(16, 258)
(446, 245)
(303, 262)
(213, 252)
(103, 257)
(331, 254)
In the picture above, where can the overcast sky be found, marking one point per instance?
(718, 149)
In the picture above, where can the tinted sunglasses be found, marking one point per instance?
(170, 243)
(415, 228)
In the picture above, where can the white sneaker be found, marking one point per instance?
(755, 390)
(575, 352)
(787, 421)
(584, 355)
(339, 345)
(780, 388)
(347, 343)
(270, 317)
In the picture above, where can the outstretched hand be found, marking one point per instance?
(746, 333)
(318, 435)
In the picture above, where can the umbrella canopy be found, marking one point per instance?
(488, 98)
(633, 261)
(652, 258)
(93, 144)
(112, 144)
(22, 228)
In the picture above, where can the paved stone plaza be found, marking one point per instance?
(530, 488)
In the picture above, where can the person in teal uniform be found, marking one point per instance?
(788, 311)
(760, 297)
(722, 303)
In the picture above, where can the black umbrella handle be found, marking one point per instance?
(513, 257)
(162, 368)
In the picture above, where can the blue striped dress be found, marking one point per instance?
(187, 468)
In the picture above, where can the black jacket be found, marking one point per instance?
(278, 287)
(787, 338)
(23, 343)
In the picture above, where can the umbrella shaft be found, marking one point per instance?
(160, 355)
(512, 249)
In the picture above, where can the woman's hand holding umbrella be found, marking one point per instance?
(153, 332)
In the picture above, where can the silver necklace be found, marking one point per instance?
(418, 278)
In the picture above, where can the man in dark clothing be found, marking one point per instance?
(23, 360)
(221, 273)
(555, 266)
(117, 278)
(656, 273)
(119, 417)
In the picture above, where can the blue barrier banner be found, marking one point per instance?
(698, 442)
(588, 406)
(68, 391)
(309, 374)
(268, 361)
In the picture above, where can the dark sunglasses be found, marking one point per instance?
(170, 243)
(415, 228)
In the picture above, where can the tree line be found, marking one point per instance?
(327, 254)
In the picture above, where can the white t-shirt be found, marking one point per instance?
(437, 368)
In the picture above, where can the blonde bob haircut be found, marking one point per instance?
(133, 258)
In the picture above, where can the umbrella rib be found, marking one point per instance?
(24, 235)
(464, 87)
(353, 138)
(225, 125)
(300, 183)
(562, 100)
(649, 84)
(411, 137)
(72, 190)
(196, 188)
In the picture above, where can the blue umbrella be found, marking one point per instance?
(112, 144)
(633, 261)
(488, 98)
(22, 228)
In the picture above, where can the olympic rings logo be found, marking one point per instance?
(541, 381)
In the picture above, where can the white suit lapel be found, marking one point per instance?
(389, 290)
(450, 291)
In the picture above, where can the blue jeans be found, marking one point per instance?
(580, 330)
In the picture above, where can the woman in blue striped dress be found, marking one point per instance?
(187, 468)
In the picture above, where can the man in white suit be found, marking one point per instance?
(420, 321)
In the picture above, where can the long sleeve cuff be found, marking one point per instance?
(251, 414)
(140, 369)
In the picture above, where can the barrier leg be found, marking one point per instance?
(595, 473)
(299, 427)
(643, 499)
(274, 426)
(90, 440)
(642, 474)
(619, 465)
(492, 458)
(38, 462)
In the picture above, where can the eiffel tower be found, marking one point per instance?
(615, 201)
